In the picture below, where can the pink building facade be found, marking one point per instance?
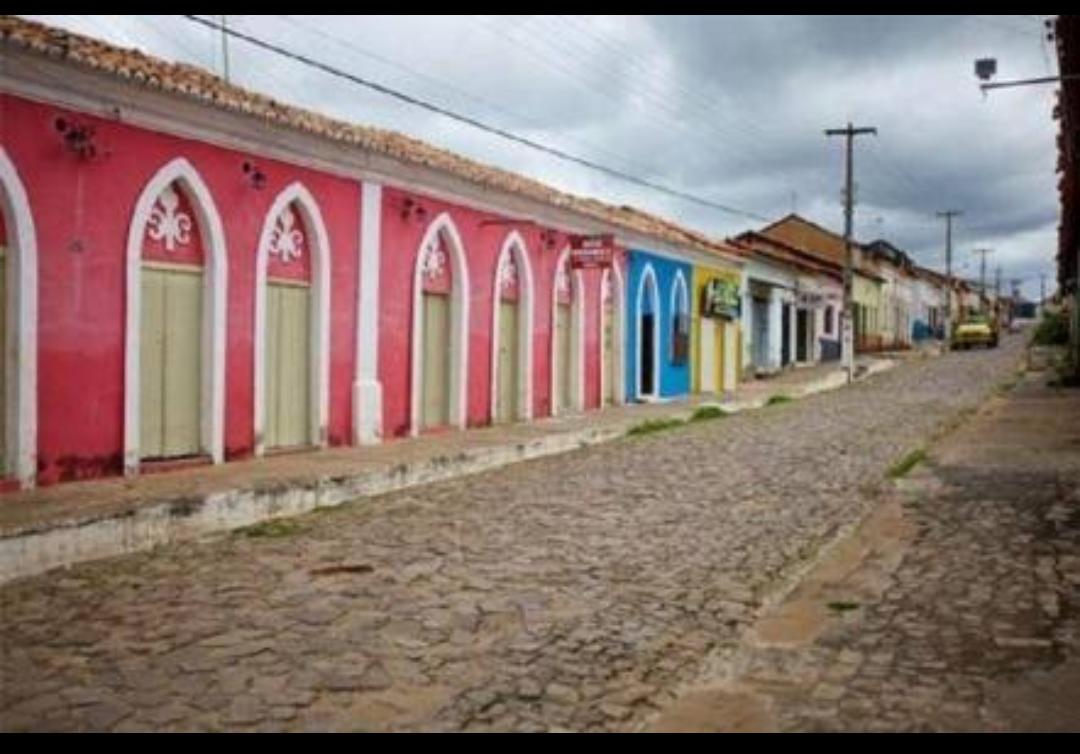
(162, 257)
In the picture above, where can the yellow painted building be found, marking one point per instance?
(715, 332)
(870, 312)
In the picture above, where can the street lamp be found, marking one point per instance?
(986, 69)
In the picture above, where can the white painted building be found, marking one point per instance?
(768, 300)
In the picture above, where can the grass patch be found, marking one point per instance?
(907, 463)
(654, 425)
(704, 413)
(1007, 385)
(274, 529)
(1051, 330)
(1066, 371)
(778, 399)
(843, 607)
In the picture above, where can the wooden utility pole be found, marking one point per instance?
(948, 214)
(848, 342)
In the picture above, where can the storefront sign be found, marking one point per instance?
(815, 299)
(720, 298)
(590, 252)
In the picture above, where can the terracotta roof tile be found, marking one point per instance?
(197, 83)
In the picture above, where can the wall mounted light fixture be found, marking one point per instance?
(412, 208)
(254, 175)
(77, 138)
(548, 238)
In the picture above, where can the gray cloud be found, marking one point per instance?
(729, 108)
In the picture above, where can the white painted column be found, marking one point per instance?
(817, 320)
(367, 390)
(776, 328)
(793, 332)
(746, 357)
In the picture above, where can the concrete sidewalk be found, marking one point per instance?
(69, 523)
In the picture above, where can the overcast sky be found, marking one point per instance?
(728, 108)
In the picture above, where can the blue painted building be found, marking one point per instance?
(657, 355)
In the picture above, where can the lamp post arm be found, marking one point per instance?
(1026, 82)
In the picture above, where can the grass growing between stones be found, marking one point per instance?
(654, 425)
(778, 399)
(705, 413)
(1006, 385)
(274, 529)
(907, 463)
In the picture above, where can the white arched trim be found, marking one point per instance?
(680, 303)
(648, 279)
(215, 284)
(618, 298)
(577, 333)
(515, 245)
(442, 226)
(20, 354)
(319, 399)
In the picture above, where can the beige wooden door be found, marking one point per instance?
(730, 353)
(3, 361)
(509, 368)
(435, 401)
(170, 362)
(609, 354)
(563, 356)
(288, 365)
(707, 352)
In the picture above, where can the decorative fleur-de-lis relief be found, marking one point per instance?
(562, 281)
(508, 273)
(286, 241)
(434, 264)
(167, 223)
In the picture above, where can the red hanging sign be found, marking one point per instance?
(591, 252)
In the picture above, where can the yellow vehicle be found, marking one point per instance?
(976, 330)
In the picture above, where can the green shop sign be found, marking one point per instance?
(720, 298)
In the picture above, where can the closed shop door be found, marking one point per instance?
(563, 355)
(170, 355)
(435, 401)
(761, 333)
(731, 355)
(708, 355)
(509, 372)
(609, 354)
(288, 365)
(802, 335)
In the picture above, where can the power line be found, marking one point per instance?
(470, 121)
(651, 78)
(656, 108)
(443, 84)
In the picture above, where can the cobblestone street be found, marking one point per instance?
(954, 608)
(578, 592)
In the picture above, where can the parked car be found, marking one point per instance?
(976, 330)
